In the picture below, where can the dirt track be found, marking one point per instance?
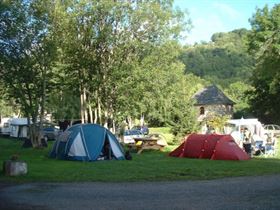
(230, 193)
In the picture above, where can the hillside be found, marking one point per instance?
(222, 61)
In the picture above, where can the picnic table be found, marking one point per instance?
(145, 143)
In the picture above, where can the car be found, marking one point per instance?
(50, 133)
(143, 129)
(129, 136)
(272, 129)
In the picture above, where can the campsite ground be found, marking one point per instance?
(149, 166)
(151, 180)
(260, 192)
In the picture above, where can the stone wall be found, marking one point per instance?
(215, 109)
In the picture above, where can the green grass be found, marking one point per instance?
(165, 131)
(148, 166)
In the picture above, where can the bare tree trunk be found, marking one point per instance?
(85, 106)
(34, 131)
(42, 111)
(32, 136)
(142, 120)
(129, 122)
(113, 125)
(35, 134)
(99, 110)
(95, 115)
(96, 107)
(90, 113)
(82, 106)
(106, 119)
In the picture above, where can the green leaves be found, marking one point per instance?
(124, 54)
(223, 61)
(28, 52)
(239, 93)
(264, 42)
(110, 59)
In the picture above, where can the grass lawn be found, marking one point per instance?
(165, 131)
(148, 166)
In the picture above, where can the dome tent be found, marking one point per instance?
(87, 142)
(210, 146)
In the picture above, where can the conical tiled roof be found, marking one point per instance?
(212, 95)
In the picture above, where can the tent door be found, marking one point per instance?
(106, 152)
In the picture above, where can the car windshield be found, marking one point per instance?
(49, 129)
(132, 132)
(136, 127)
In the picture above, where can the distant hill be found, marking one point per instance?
(222, 61)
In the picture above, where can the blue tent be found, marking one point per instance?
(87, 142)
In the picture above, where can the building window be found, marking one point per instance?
(202, 110)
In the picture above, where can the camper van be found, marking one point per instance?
(19, 127)
(234, 127)
(253, 124)
(262, 143)
(5, 128)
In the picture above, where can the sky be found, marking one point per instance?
(211, 16)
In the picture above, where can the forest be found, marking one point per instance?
(107, 62)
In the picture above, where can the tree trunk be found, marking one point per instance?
(99, 110)
(43, 99)
(35, 136)
(129, 121)
(106, 119)
(90, 113)
(85, 106)
(142, 120)
(114, 126)
(96, 107)
(95, 115)
(82, 106)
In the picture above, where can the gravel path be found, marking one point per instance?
(256, 193)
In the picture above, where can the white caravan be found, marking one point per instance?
(5, 128)
(19, 128)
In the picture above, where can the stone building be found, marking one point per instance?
(211, 100)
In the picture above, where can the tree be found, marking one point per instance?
(110, 59)
(264, 42)
(238, 92)
(6, 104)
(114, 51)
(27, 55)
(183, 119)
(217, 122)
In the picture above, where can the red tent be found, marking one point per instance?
(211, 146)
